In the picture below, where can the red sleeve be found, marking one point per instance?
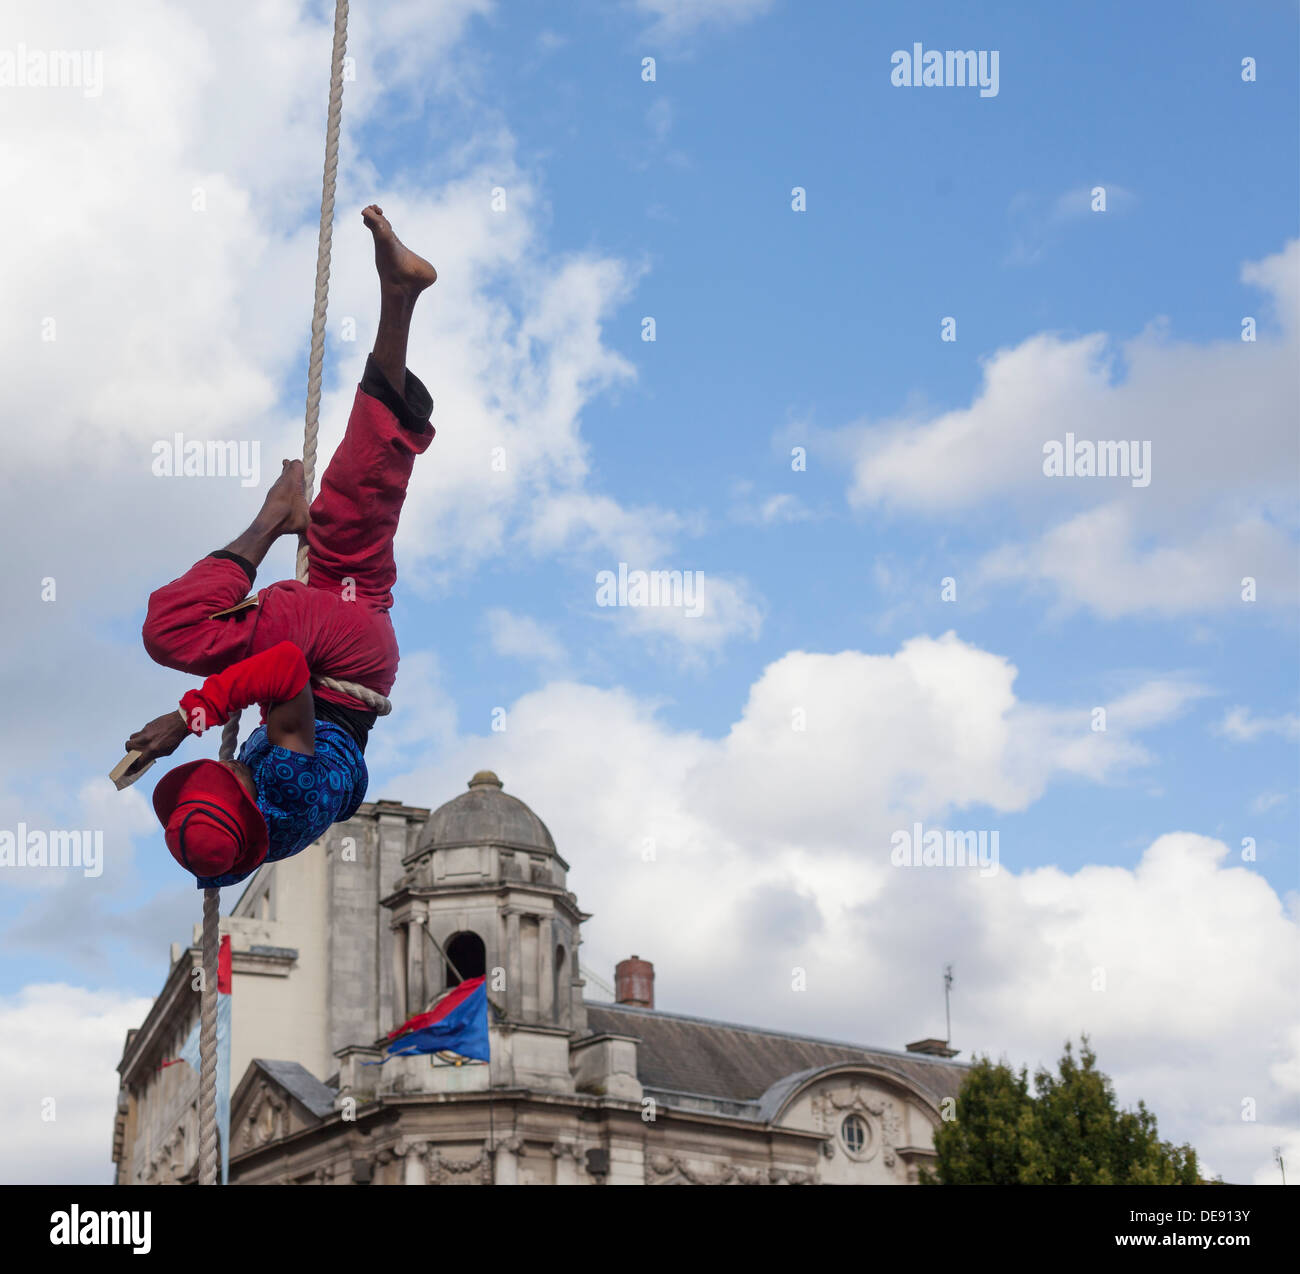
(273, 676)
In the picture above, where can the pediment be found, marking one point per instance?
(264, 1109)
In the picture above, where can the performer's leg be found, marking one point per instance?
(402, 277)
(283, 512)
(355, 516)
(179, 631)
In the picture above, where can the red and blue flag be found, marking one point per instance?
(457, 1023)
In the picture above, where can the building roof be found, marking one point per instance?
(300, 1084)
(741, 1063)
(485, 815)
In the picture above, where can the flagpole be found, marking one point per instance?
(459, 976)
(492, 1128)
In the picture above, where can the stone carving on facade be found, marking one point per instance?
(165, 1166)
(791, 1177)
(444, 1170)
(266, 1119)
(440, 1169)
(880, 1114)
(669, 1170)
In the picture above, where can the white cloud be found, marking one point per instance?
(1219, 421)
(1153, 702)
(1038, 221)
(522, 637)
(659, 119)
(423, 716)
(715, 610)
(771, 840)
(1241, 726)
(61, 1044)
(170, 236)
(1097, 559)
(596, 523)
(782, 508)
(207, 307)
(1266, 801)
(677, 18)
(772, 510)
(731, 861)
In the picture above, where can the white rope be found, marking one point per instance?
(371, 698)
(208, 1039)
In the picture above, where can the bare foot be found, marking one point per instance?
(285, 507)
(399, 268)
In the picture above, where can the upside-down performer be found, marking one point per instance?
(303, 768)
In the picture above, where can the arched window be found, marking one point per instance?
(560, 998)
(466, 952)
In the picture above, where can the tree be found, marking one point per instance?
(987, 1141)
(1070, 1132)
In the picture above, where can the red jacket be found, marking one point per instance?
(273, 676)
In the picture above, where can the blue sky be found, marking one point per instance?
(775, 329)
(768, 321)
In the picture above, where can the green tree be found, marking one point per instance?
(1071, 1131)
(986, 1141)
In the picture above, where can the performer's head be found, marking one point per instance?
(213, 825)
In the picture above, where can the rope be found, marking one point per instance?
(371, 698)
(323, 243)
(208, 1039)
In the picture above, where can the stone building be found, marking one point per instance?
(333, 948)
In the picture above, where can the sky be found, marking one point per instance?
(873, 306)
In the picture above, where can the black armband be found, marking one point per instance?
(242, 562)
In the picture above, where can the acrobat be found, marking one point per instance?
(304, 767)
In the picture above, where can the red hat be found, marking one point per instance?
(212, 824)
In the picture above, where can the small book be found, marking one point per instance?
(126, 771)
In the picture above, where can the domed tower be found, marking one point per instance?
(484, 892)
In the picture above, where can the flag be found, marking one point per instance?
(458, 1023)
(190, 1054)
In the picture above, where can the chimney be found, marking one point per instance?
(933, 1048)
(634, 983)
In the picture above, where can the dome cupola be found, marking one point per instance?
(485, 815)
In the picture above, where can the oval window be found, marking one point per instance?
(853, 1132)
